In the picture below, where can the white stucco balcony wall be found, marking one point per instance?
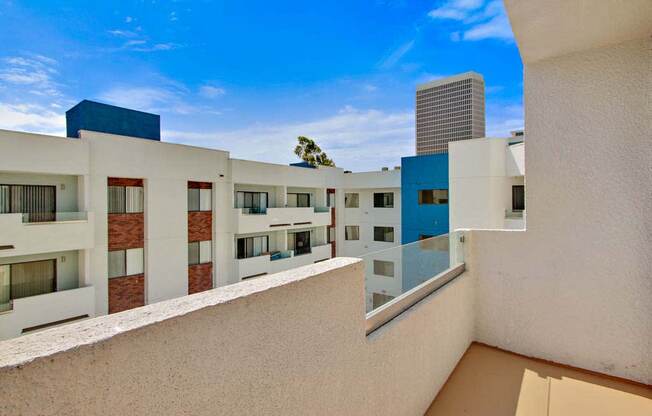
(279, 219)
(264, 264)
(47, 308)
(43, 237)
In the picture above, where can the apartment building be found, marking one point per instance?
(424, 186)
(487, 184)
(572, 290)
(101, 223)
(449, 109)
(372, 226)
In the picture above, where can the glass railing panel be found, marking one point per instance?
(37, 217)
(322, 209)
(392, 272)
(5, 307)
(254, 211)
(278, 255)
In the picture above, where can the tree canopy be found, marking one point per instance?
(310, 152)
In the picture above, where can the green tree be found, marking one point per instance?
(310, 152)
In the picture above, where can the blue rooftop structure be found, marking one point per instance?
(105, 118)
(423, 173)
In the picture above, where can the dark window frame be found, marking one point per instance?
(42, 216)
(427, 197)
(518, 195)
(382, 200)
(239, 255)
(385, 231)
(54, 278)
(123, 209)
(252, 193)
(305, 194)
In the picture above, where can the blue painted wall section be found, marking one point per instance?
(419, 173)
(104, 118)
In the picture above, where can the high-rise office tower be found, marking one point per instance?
(448, 110)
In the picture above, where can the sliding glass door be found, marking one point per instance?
(37, 202)
(252, 246)
(299, 242)
(254, 202)
(21, 280)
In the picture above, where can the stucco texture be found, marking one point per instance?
(576, 287)
(293, 343)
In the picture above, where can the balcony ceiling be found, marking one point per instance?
(544, 29)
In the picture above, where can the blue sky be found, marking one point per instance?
(248, 77)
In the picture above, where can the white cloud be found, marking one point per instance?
(478, 20)
(211, 91)
(370, 88)
(161, 97)
(33, 118)
(396, 55)
(496, 28)
(122, 33)
(503, 118)
(455, 9)
(129, 19)
(34, 73)
(355, 139)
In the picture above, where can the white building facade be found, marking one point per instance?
(487, 184)
(104, 223)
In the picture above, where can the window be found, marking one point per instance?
(383, 199)
(200, 252)
(380, 299)
(126, 262)
(200, 199)
(518, 198)
(299, 241)
(117, 263)
(21, 280)
(38, 201)
(330, 199)
(331, 234)
(253, 202)
(298, 200)
(125, 199)
(252, 246)
(384, 268)
(352, 200)
(433, 196)
(352, 232)
(384, 234)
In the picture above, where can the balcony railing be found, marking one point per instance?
(511, 214)
(399, 277)
(279, 255)
(263, 210)
(40, 217)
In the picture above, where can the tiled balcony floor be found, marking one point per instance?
(491, 382)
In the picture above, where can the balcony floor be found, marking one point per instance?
(488, 381)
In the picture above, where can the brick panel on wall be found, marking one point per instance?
(126, 231)
(200, 277)
(126, 293)
(200, 185)
(200, 226)
(125, 182)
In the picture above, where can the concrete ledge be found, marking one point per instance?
(19, 351)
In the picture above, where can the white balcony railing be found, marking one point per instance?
(280, 218)
(274, 263)
(66, 231)
(34, 311)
